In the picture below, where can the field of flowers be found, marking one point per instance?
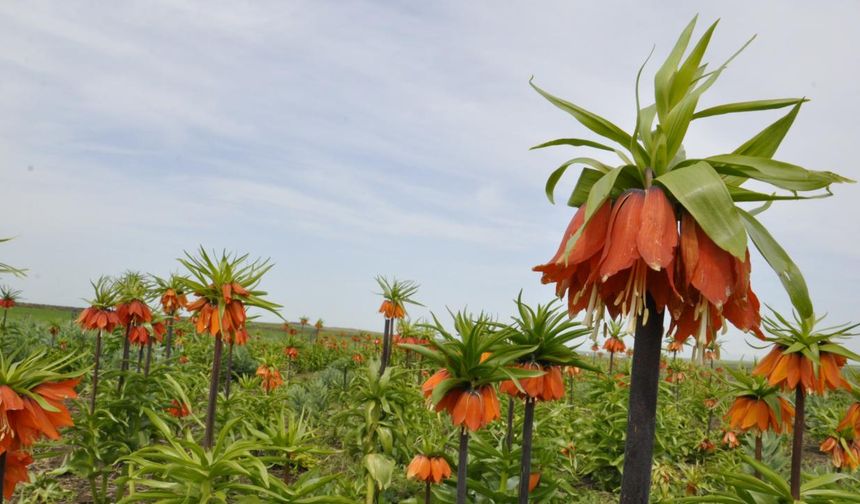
(163, 389)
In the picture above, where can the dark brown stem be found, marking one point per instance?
(611, 361)
(229, 370)
(642, 409)
(140, 358)
(758, 450)
(526, 463)
(427, 493)
(148, 362)
(509, 437)
(125, 354)
(213, 393)
(462, 466)
(386, 342)
(2, 475)
(169, 339)
(797, 442)
(96, 359)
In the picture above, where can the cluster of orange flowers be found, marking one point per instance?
(428, 469)
(134, 315)
(614, 344)
(98, 319)
(231, 324)
(788, 369)
(140, 334)
(844, 449)
(674, 376)
(178, 409)
(391, 310)
(730, 439)
(7, 303)
(842, 454)
(291, 352)
(271, 377)
(547, 387)
(851, 420)
(23, 421)
(748, 412)
(171, 302)
(638, 246)
(471, 408)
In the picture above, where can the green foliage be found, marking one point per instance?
(708, 188)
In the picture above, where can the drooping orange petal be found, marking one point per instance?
(458, 416)
(9, 399)
(658, 234)
(437, 469)
(474, 411)
(765, 367)
(621, 251)
(713, 275)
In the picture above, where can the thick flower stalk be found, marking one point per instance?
(757, 407)
(662, 233)
(548, 332)
(469, 366)
(8, 299)
(132, 311)
(225, 286)
(396, 295)
(804, 360)
(173, 299)
(101, 318)
(429, 469)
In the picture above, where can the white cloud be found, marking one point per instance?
(361, 137)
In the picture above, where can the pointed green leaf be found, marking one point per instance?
(765, 143)
(588, 119)
(788, 272)
(663, 77)
(700, 190)
(748, 106)
(783, 175)
(576, 142)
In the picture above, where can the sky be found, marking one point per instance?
(348, 139)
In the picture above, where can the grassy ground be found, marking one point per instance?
(268, 330)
